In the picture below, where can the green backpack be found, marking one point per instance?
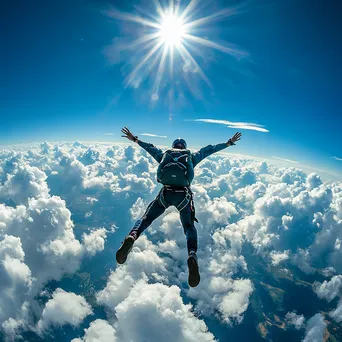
(176, 168)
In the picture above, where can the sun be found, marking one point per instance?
(172, 31)
(164, 46)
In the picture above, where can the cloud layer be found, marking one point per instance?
(61, 202)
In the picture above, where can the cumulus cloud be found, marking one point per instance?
(95, 241)
(143, 262)
(156, 312)
(64, 308)
(330, 290)
(278, 257)
(298, 321)
(21, 182)
(315, 329)
(98, 331)
(337, 313)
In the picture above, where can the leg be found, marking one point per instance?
(190, 230)
(154, 210)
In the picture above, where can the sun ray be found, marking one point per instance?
(145, 11)
(134, 18)
(227, 12)
(206, 42)
(144, 39)
(176, 8)
(171, 61)
(186, 56)
(159, 8)
(142, 62)
(160, 73)
(192, 4)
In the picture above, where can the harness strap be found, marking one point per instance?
(185, 202)
(162, 199)
(187, 199)
(174, 189)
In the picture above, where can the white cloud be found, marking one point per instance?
(315, 329)
(329, 289)
(63, 308)
(337, 158)
(292, 318)
(95, 241)
(98, 331)
(156, 312)
(108, 134)
(278, 257)
(143, 262)
(236, 125)
(236, 301)
(249, 127)
(337, 313)
(21, 182)
(153, 135)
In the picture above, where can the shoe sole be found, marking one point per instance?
(123, 251)
(194, 276)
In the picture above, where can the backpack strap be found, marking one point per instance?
(175, 159)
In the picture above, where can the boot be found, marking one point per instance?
(194, 276)
(126, 247)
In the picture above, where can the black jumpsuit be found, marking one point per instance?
(169, 196)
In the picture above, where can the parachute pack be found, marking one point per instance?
(176, 168)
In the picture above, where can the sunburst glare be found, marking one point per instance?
(167, 38)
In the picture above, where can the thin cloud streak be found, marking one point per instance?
(153, 135)
(286, 160)
(252, 128)
(337, 158)
(108, 133)
(239, 125)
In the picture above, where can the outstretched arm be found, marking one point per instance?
(155, 152)
(210, 149)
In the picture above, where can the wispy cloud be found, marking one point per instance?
(108, 133)
(238, 125)
(286, 160)
(153, 135)
(337, 158)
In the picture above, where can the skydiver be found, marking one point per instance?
(175, 172)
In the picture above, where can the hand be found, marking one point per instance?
(128, 134)
(234, 139)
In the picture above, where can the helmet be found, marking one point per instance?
(179, 141)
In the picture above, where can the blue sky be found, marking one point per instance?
(57, 82)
